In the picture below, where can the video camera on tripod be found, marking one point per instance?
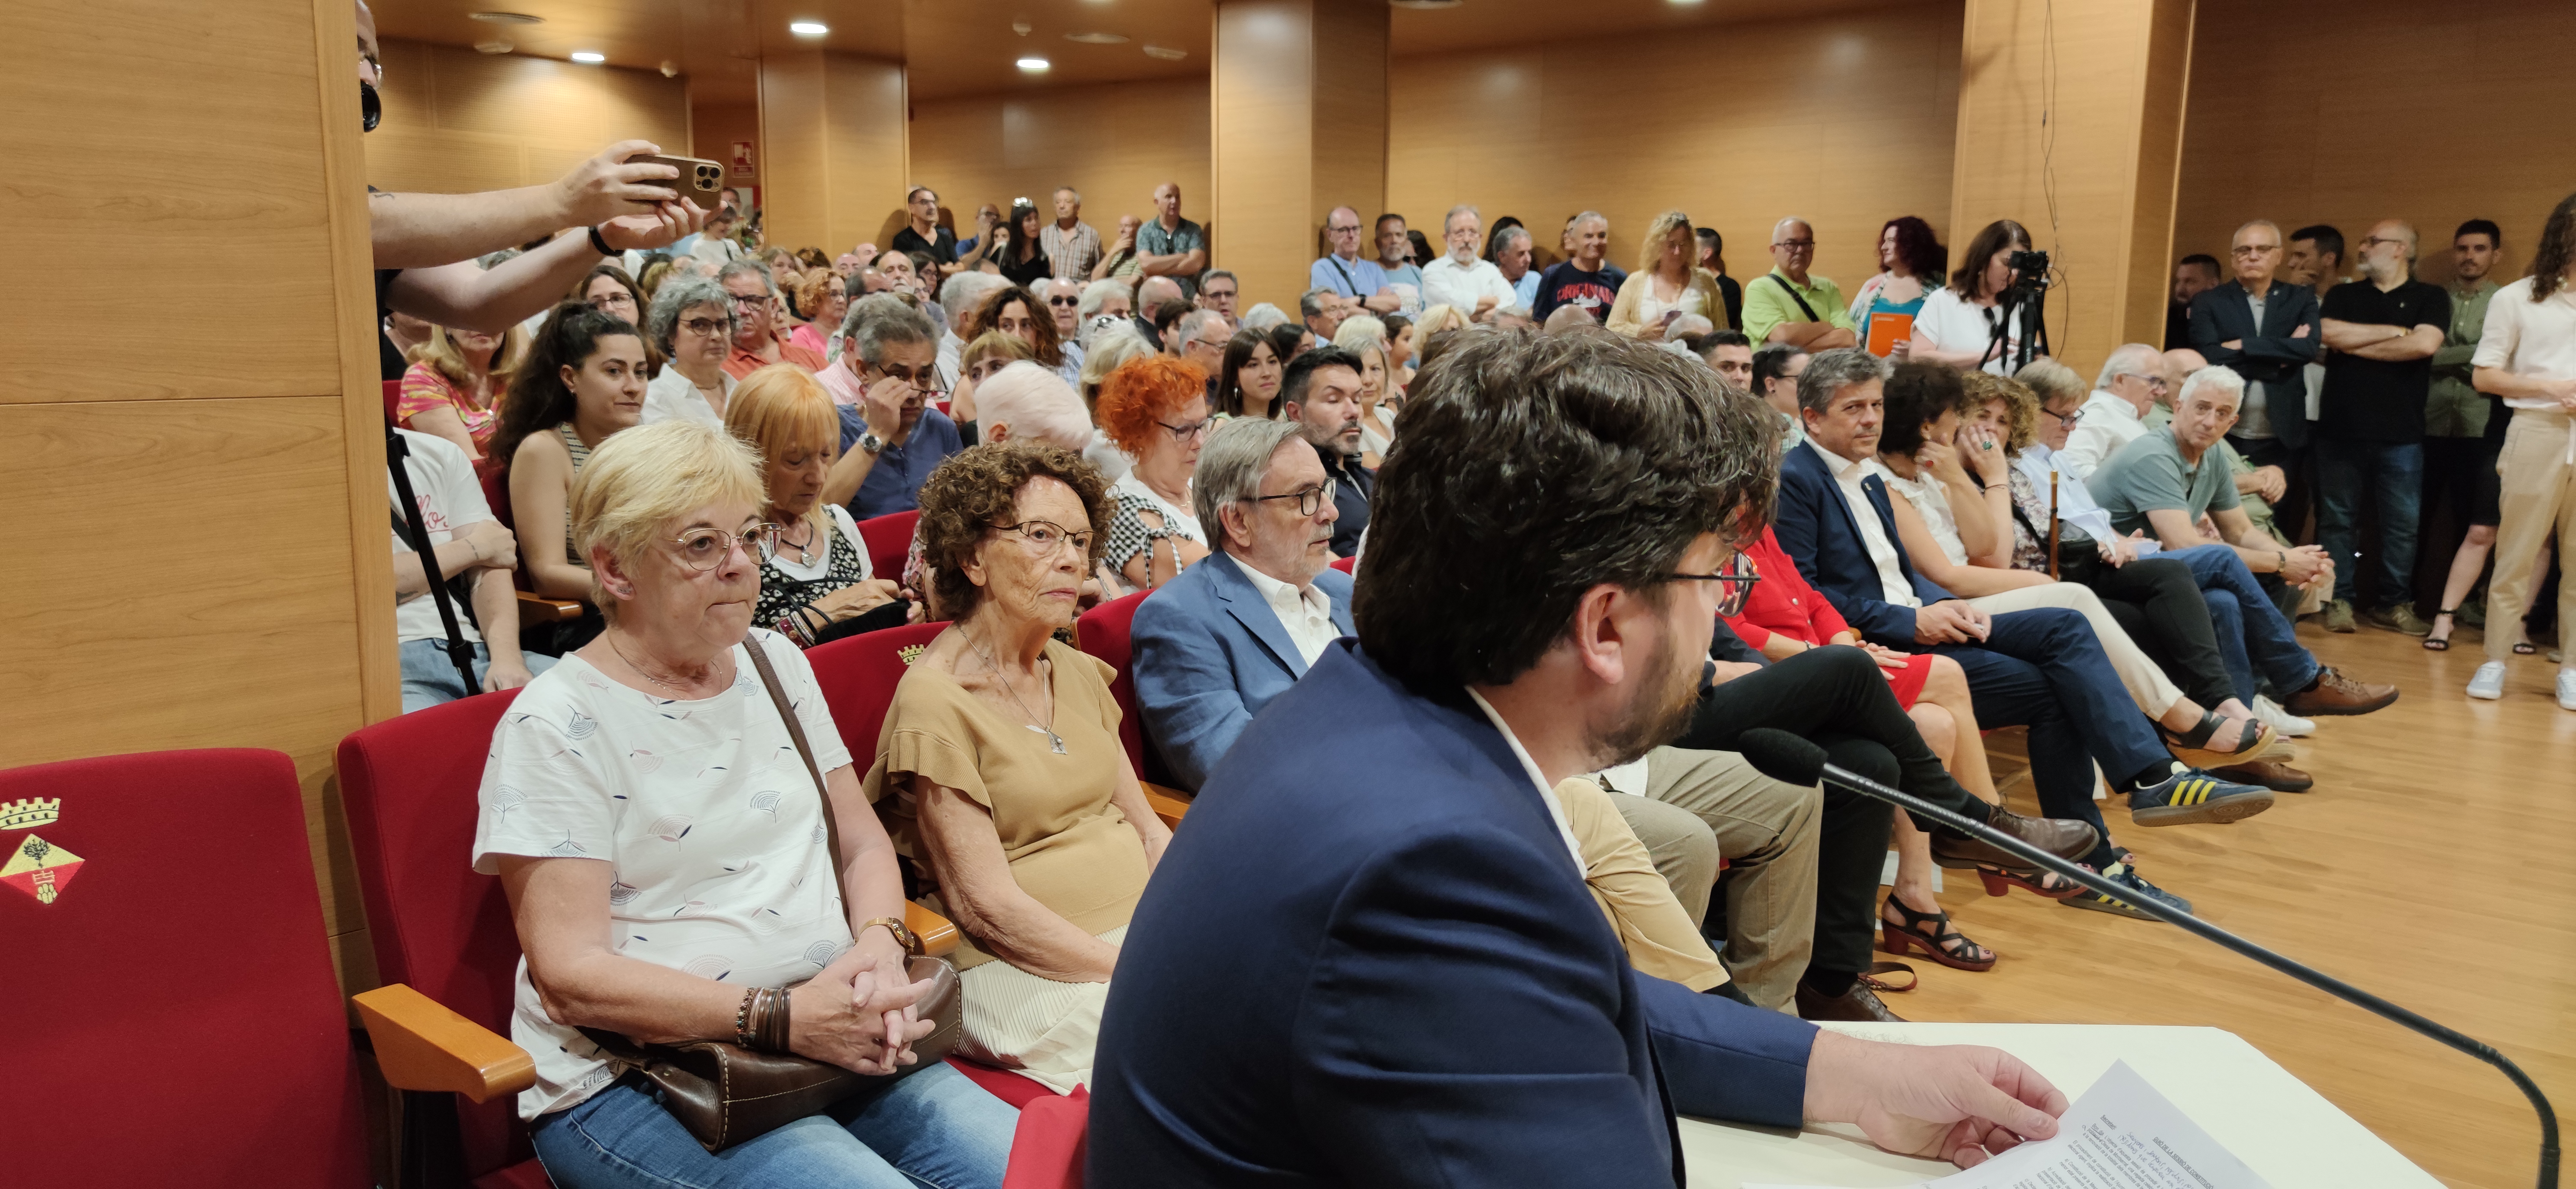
(2025, 299)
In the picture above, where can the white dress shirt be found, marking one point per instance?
(2074, 500)
(1882, 552)
(675, 397)
(2102, 426)
(1447, 282)
(1306, 612)
(1555, 808)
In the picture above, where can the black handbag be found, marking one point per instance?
(724, 1093)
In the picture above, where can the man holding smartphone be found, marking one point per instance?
(425, 244)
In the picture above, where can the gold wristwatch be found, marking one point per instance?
(902, 936)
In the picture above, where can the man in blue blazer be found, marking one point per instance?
(2041, 668)
(1217, 643)
(1370, 959)
(2267, 331)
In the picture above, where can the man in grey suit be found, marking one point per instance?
(2268, 332)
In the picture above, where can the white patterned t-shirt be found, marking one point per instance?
(711, 824)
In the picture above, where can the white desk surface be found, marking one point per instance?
(2272, 1121)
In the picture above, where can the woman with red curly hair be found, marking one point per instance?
(1155, 409)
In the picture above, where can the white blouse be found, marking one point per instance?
(706, 816)
(1933, 505)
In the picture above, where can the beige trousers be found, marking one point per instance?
(1660, 938)
(2147, 684)
(1767, 832)
(2539, 490)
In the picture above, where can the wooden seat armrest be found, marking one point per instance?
(421, 1045)
(938, 934)
(1169, 803)
(537, 608)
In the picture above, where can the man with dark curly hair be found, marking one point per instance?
(1372, 957)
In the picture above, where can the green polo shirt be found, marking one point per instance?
(2455, 409)
(1767, 305)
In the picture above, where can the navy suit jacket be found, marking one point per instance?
(1816, 530)
(1209, 654)
(2269, 352)
(1367, 959)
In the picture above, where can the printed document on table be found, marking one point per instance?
(2121, 1135)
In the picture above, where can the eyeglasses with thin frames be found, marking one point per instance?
(705, 549)
(1043, 537)
(1309, 499)
(1194, 429)
(1735, 582)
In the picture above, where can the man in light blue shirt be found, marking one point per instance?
(1395, 258)
(1359, 281)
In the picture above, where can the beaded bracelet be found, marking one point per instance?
(742, 1034)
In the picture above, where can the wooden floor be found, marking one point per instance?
(2434, 864)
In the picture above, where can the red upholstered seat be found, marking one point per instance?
(1347, 565)
(858, 676)
(889, 538)
(173, 1019)
(1047, 1149)
(1105, 631)
(410, 786)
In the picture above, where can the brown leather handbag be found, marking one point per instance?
(724, 1093)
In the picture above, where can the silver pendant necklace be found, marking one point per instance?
(1053, 739)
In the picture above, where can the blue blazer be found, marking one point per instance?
(1816, 530)
(1368, 960)
(1209, 654)
(2274, 353)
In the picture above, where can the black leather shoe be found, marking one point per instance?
(2062, 837)
(1858, 1004)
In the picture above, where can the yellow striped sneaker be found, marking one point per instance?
(2192, 796)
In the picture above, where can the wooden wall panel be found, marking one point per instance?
(1114, 143)
(712, 130)
(268, 620)
(457, 121)
(1262, 141)
(832, 126)
(2053, 131)
(1844, 120)
(2388, 109)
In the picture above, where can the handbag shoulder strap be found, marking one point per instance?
(1792, 291)
(796, 732)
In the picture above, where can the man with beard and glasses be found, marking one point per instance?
(1378, 882)
(1218, 643)
(1321, 393)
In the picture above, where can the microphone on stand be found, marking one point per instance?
(1786, 757)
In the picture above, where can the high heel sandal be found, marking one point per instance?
(1897, 940)
(2443, 644)
(2192, 746)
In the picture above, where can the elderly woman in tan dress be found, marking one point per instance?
(1000, 768)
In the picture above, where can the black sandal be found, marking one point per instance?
(1897, 940)
(2192, 746)
(2443, 644)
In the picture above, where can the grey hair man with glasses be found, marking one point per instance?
(891, 437)
(1341, 270)
(2131, 384)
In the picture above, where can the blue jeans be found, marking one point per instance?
(2252, 632)
(934, 1128)
(429, 678)
(2349, 473)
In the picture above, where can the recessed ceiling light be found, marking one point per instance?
(1096, 38)
(494, 46)
(1166, 53)
(808, 28)
(507, 18)
(1034, 64)
(588, 58)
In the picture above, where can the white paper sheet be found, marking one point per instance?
(2122, 1134)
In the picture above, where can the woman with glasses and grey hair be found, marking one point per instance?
(664, 851)
(691, 324)
(999, 767)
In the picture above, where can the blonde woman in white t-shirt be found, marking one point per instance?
(663, 848)
(1365, 337)
(1956, 326)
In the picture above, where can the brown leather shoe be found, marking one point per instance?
(2335, 694)
(2271, 774)
(1858, 1004)
(2062, 837)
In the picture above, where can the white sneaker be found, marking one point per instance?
(2289, 725)
(2567, 689)
(2489, 682)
